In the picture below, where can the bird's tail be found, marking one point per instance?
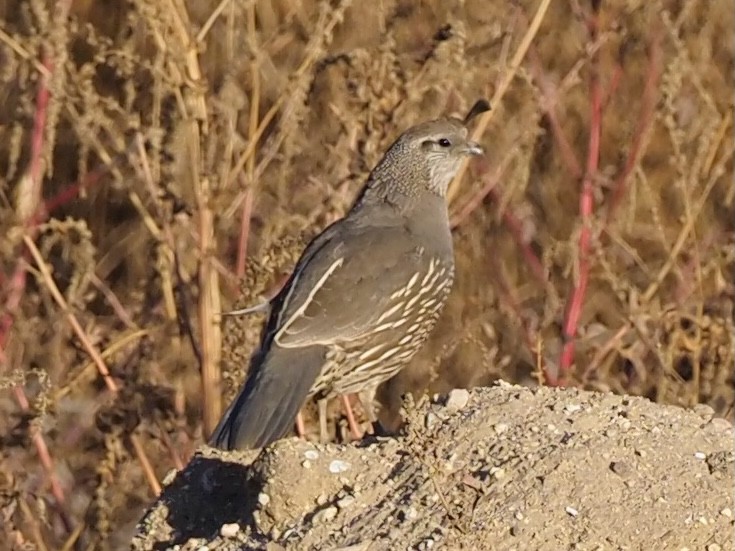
(276, 387)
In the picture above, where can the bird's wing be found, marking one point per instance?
(343, 285)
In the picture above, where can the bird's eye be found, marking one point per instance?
(444, 142)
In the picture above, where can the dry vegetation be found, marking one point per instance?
(164, 161)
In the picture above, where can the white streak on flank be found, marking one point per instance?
(442, 291)
(387, 354)
(414, 299)
(301, 309)
(432, 266)
(383, 327)
(370, 351)
(411, 282)
(397, 294)
(390, 311)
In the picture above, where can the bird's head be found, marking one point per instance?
(426, 157)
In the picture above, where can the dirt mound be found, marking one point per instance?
(496, 468)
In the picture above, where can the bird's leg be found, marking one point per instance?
(367, 399)
(322, 404)
(354, 428)
(300, 431)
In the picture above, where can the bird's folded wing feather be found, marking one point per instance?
(341, 290)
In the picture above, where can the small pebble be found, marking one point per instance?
(700, 455)
(229, 530)
(457, 399)
(571, 511)
(714, 547)
(264, 499)
(726, 512)
(572, 408)
(345, 502)
(338, 466)
(430, 420)
(498, 473)
(306, 464)
(312, 455)
(500, 428)
(325, 515)
(620, 468)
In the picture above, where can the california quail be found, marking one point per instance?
(365, 293)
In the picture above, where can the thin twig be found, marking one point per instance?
(247, 205)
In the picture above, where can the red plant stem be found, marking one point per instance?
(507, 296)
(45, 457)
(70, 192)
(509, 219)
(612, 87)
(645, 118)
(32, 181)
(39, 127)
(516, 231)
(586, 211)
(548, 104)
(30, 190)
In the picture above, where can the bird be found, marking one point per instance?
(365, 293)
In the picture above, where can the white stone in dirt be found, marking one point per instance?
(571, 511)
(338, 466)
(229, 530)
(457, 399)
(312, 455)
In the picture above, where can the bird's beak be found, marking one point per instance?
(473, 148)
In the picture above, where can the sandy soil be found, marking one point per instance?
(499, 468)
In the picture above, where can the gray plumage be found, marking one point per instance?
(365, 293)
